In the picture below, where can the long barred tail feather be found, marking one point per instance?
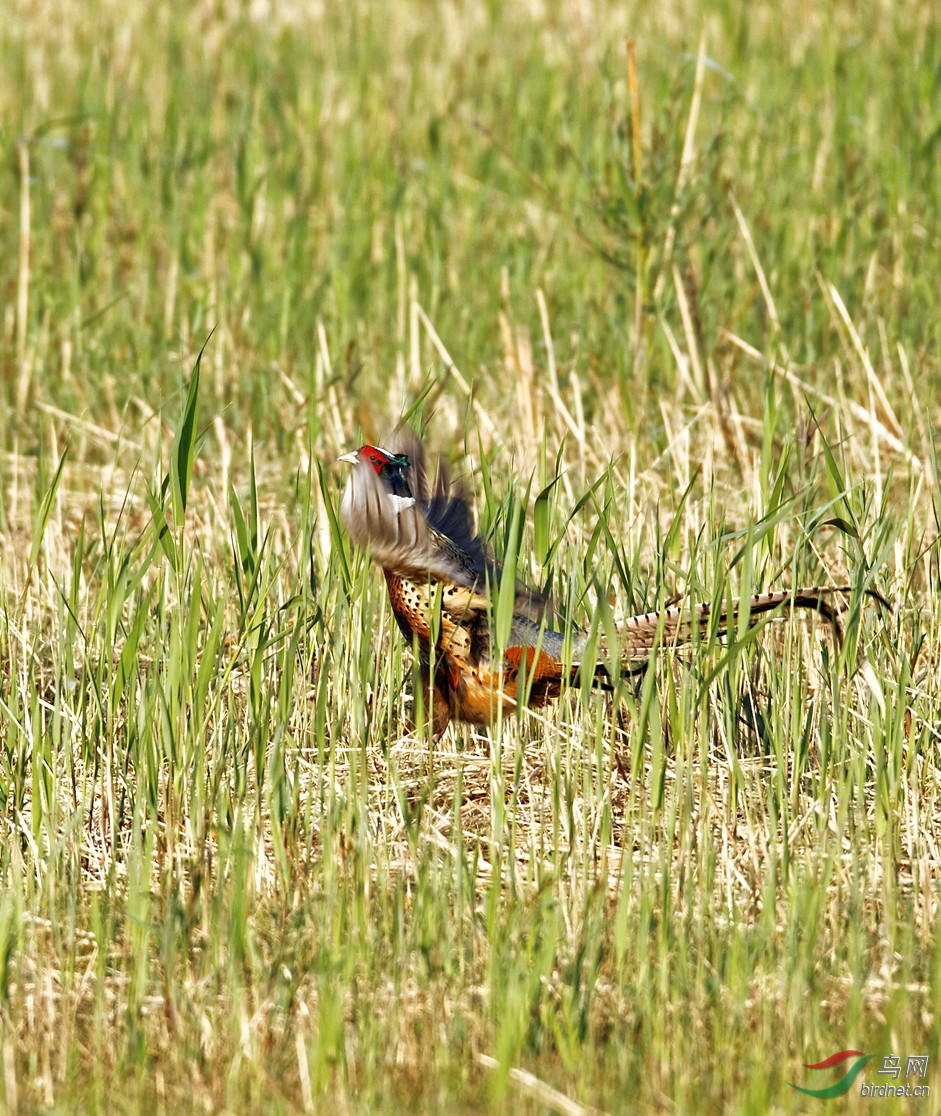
(679, 625)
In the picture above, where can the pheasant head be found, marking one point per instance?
(391, 470)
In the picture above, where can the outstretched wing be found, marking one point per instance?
(436, 537)
(446, 508)
(399, 534)
(451, 517)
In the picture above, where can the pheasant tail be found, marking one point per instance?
(679, 625)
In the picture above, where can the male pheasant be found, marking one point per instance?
(438, 571)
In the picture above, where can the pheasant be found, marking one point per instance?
(438, 574)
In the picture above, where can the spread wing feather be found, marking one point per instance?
(400, 537)
(435, 538)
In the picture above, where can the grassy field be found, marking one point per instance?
(679, 303)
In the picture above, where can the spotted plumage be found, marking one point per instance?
(438, 574)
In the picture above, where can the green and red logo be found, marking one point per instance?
(838, 1088)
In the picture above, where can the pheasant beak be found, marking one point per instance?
(352, 457)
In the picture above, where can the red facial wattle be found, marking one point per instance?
(374, 456)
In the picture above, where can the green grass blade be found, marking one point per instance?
(183, 453)
(45, 509)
